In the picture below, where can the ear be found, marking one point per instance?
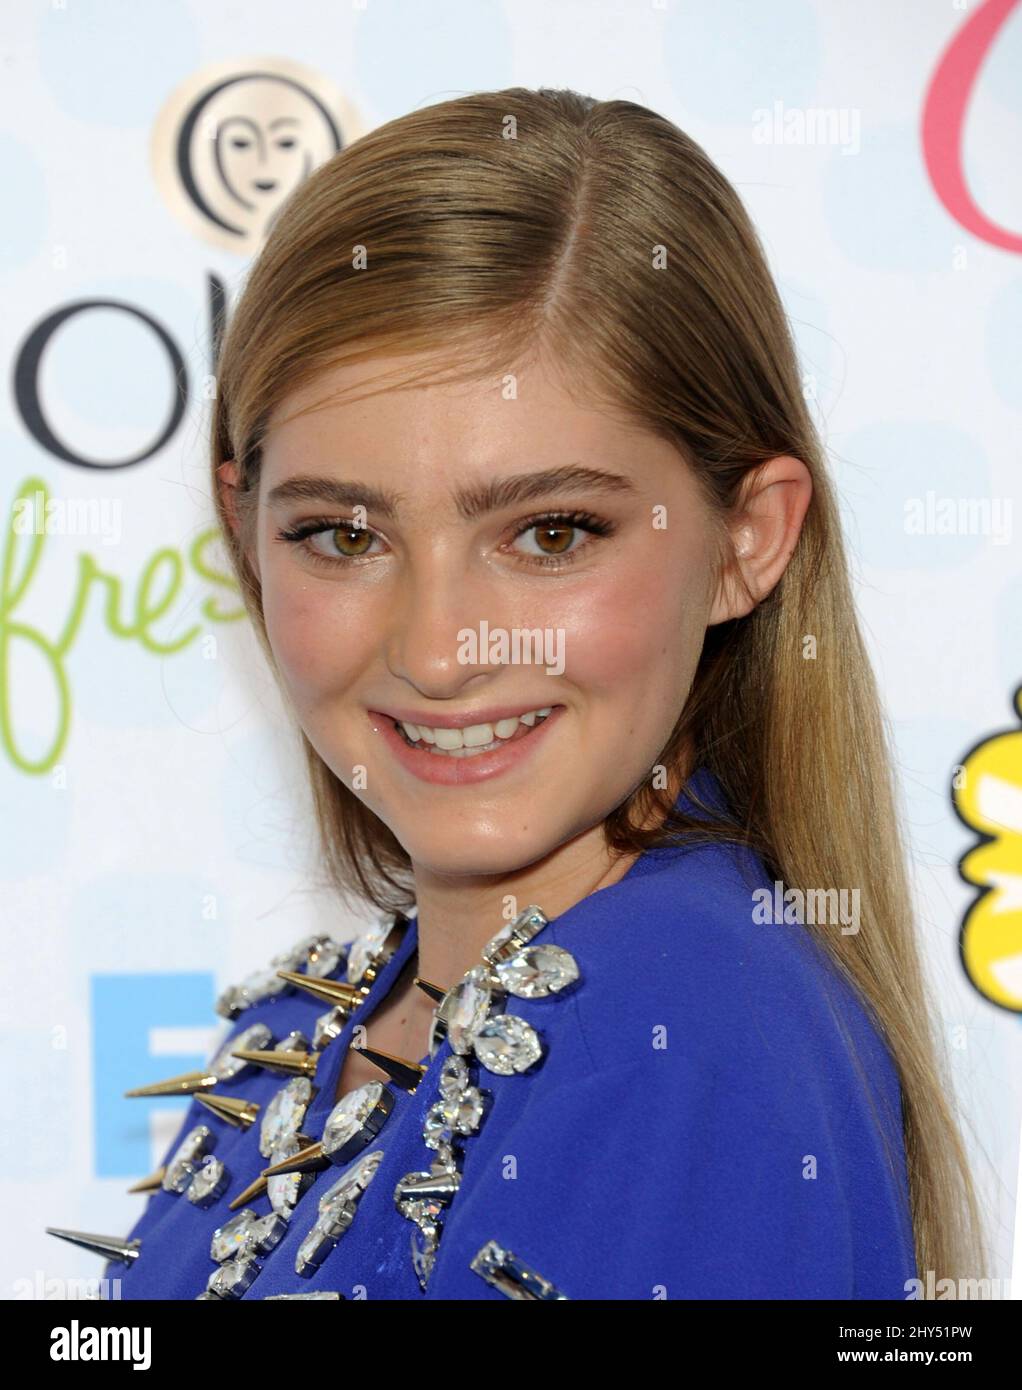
(229, 481)
(764, 528)
(228, 477)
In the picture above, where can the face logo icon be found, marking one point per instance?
(234, 142)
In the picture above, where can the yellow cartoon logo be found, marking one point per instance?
(987, 796)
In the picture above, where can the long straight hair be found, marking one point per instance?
(508, 227)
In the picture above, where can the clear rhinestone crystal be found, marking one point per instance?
(506, 1044)
(515, 934)
(233, 1278)
(315, 1294)
(295, 1041)
(184, 1163)
(424, 1241)
(324, 956)
(466, 1112)
(328, 1027)
(295, 956)
(446, 1118)
(265, 1234)
(445, 1155)
(437, 1128)
(283, 1117)
(337, 1208)
(365, 948)
(209, 1182)
(265, 984)
(353, 1181)
(252, 1039)
(512, 1276)
(349, 1117)
(230, 1239)
(314, 1249)
(453, 1077)
(465, 1007)
(537, 971)
(285, 1189)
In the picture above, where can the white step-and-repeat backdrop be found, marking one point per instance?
(156, 841)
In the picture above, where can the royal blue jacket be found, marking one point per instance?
(714, 1116)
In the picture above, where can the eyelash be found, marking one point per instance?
(579, 521)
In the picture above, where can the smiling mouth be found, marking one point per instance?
(473, 740)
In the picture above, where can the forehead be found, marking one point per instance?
(374, 413)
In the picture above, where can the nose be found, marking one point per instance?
(439, 601)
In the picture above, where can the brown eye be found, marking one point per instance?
(554, 540)
(351, 541)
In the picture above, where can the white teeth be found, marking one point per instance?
(473, 737)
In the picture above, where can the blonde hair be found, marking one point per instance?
(506, 227)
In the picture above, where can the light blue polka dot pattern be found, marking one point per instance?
(896, 473)
(999, 76)
(729, 58)
(256, 806)
(1002, 344)
(928, 749)
(1008, 611)
(881, 209)
(409, 55)
(820, 361)
(113, 62)
(35, 839)
(26, 201)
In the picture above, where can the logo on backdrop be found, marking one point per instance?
(228, 148)
(235, 140)
(944, 112)
(987, 796)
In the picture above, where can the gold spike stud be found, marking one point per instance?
(152, 1183)
(311, 1159)
(237, 1112)
(291, 1063)
(254, 1190)
(110, 1247)
(330, 991)
(434, 991)
(184, 1085)
(403, 1073)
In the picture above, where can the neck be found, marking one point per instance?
(457, 916)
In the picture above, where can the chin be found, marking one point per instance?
(468, 856)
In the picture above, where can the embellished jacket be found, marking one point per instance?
(654, 1095)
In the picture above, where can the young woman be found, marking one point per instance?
(513, 461)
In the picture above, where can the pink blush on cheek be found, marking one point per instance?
(310, 641)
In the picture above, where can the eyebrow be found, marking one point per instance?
(471, 501)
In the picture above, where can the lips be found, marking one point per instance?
(493, 714)
(469, 751)
(454, 769)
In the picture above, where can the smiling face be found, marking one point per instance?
(609, 561)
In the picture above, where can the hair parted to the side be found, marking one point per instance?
(516, 226)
